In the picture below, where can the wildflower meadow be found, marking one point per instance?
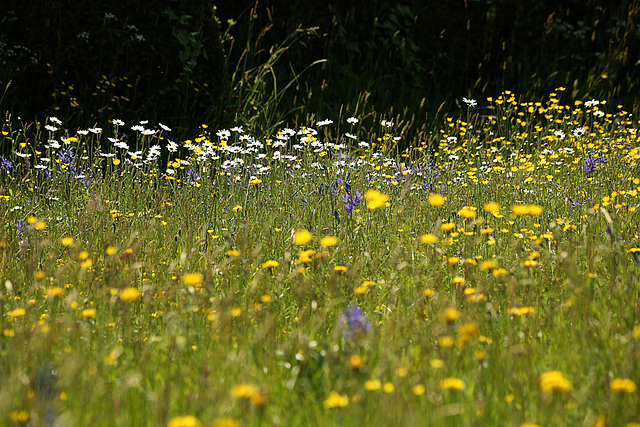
(328, 274)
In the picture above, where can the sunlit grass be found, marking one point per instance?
(487, 276)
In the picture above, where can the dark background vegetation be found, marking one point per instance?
(270, 63)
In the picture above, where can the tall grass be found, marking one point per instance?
(492, 280)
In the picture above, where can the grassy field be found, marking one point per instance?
(487, 275)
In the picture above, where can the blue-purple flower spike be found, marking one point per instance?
(351, 200)
(354, 323)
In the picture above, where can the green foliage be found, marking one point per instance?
(264, 63)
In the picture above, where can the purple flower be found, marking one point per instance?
(6, 166)
(593, 163)
(66, 156)
(354, 323)
(351, 200)
(339, 184)
(193, 176)
(20, 226)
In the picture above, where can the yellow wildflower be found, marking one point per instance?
(375, 199)
(270, 264)
(428, 238)
(452, 383)
(192, 279)
(18, 312)
(447, 226)
(302, 237)
(622, 385)
(554, 381)
(244, 391)
(436, 200)
(328, 241)
(226, 422)
(129, 294)
(491, 207)
(450, 315)
(336, 400)
(89, 313)
(372, 385)
(467, 212)
(184, 421)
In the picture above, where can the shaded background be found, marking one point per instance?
(271, 63)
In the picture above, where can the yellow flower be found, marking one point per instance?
(244, 391)
(436, 363)
(372, 385)
(499, 272)
(235, 312)
(129, 294)
(18, 312)
(89, 313)
(636, 331)
(519, 209)
(529, 425)
(436, 200)
(458, 280)
(470, 329)
(336, 400)
(226, 422)
(256, 181)
(233, 253)
(445, 341)
(356, 361)
(66, 241)
(622, 385)
(192, 279)
(554, 381)
(236, 208)
(270, 264)
(452, 383)
(388, 387)
(534, 210)
(361, 290)
(302, 237)
(418, 389)
(492, 207)
(54, 291)
(19, 416)
(305, 257)
(447, 226)
(111, 250)
(40, 225)
(521, 311)
(428, 238)
(467, 212)
(184, 421)
(340, 269)
(526, 209)
(450, 315)
(454, 260)
(328, 241)
(375, 199)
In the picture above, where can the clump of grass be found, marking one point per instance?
(325, 274)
